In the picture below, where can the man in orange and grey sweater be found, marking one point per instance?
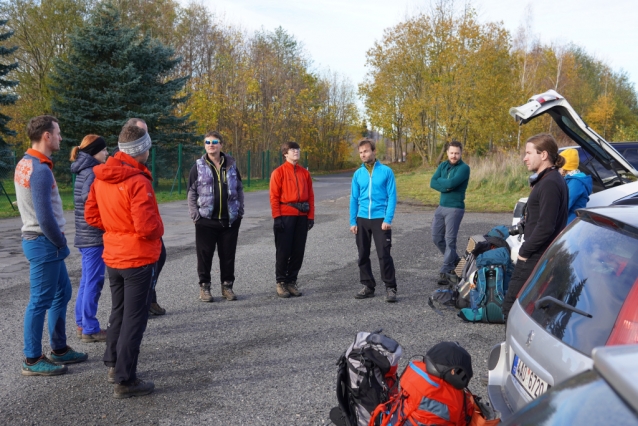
(293, 208)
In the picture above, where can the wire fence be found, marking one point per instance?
(176, 163)
(7, 167)
(170, 165)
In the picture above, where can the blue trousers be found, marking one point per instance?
(90, 289)
(445, 228)
(50, 290)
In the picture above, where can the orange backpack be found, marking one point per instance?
(424, 400)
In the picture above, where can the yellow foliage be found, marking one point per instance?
(600, 116)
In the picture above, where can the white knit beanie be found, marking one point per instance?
(136, 147)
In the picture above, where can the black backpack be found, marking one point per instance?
(366, 377)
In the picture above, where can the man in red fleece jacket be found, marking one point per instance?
(293, 209)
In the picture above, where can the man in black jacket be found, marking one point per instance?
(547, 208)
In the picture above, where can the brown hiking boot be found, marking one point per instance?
(204, 292)
(110, 375)
(100, 336)
(227, 291)
(293, 290)
(78, 332)
(282, 290)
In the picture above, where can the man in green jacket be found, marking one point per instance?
(450, 179)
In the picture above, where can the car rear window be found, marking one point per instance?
(591, 267)
(604, 173)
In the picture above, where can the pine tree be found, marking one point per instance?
(6, 98)
(114, 72)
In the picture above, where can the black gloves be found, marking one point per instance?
(311, 223)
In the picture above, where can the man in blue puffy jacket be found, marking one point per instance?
(450, 179)
(373, 199)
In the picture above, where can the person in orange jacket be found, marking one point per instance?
(122, 203)
(293, 209)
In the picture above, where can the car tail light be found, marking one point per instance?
(625, 331)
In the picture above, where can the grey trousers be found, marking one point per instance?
(445, 228)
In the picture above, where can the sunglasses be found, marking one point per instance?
(212, 141)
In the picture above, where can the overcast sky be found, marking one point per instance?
(337, 33)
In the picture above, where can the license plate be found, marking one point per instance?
(533, 384)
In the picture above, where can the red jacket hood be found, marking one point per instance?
(119, 168)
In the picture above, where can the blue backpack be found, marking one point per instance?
(493, 273)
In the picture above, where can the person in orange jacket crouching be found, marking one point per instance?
(122, 203)
(293, 209)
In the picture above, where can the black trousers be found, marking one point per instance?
(368, 230)
(130, 294)
(522, 271)
(210, 234)
(290, 243)
(158, 271)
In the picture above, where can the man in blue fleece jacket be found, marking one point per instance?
(373, 199)
(45, 248)
(450, 179)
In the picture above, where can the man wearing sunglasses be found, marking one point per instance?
(216, 205)
(293, 208)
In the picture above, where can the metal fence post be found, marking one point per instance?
(263, 165)
(268, 161)
(153, 149)
(249, 168)
(306, 159)
(179, 168)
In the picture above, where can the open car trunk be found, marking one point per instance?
(570, 122)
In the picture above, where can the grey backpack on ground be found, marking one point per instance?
(367, 377)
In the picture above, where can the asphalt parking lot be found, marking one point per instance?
(260, 360)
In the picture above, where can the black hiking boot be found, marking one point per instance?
(443, 279)
(391, 294)
(136, 388)
(365, 293)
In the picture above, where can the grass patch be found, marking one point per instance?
(163, 194)
(496, 184)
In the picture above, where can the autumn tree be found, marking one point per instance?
(41, 34)
(440, 76)
(258, 91)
